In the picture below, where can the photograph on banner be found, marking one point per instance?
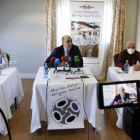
(86, 35)
(118, 94)
(86, 26)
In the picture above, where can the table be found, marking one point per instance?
(10, 87)
(114, 76)
(38, 101)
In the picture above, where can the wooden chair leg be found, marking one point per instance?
(15, 103)
(8, 129)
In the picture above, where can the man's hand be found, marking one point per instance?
(61, 64)
(136, 67)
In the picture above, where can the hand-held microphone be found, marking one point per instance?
(77, 60)
(56, 63)
(63, 59)
(69, 62)
(51, 62)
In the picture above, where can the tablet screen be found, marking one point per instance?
(120, 94)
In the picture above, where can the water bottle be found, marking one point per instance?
(45, 71)
(126, 67)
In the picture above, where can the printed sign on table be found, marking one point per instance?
(65, 105)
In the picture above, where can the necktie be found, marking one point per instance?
(68, 53)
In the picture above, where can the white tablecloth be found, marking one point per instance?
(39, 99)
(10, 87)
(114, 76)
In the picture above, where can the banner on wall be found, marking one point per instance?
(86, 26)
(65, 105)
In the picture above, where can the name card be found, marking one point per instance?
(61, 68)
(57, 77)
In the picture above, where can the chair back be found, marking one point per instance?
(8, 57)
(116, 58)
(95, 51)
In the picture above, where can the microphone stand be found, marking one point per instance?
(63, 66)
(49, 66)
(55, 68)
(78, 67)
(70, 66)
(9, 134)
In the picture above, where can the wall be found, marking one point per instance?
(131, 19)
(22, 33)
(138, 28)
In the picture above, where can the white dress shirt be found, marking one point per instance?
(122, 98)
(65, 51)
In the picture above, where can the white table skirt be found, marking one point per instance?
(114, 76)
(10, 87)
(38, 102)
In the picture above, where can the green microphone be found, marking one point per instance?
(77, 60)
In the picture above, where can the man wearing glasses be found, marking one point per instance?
(123, 96)
(67, 49)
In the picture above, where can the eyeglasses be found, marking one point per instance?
(130, 47)
(69, 41)
(123, 90)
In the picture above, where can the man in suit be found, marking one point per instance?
(123, 95)
(130, 54)
(67, 49)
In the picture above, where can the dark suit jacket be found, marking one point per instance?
(117, 97)
(59, 52)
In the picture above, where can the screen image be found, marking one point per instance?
(86, 35)
(120, 94)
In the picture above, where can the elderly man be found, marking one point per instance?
(3, 59)
(130, 54)
(123, 95)
(67, 49)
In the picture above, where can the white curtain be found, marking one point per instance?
(62, 19)
(88, 0)
(106, 35)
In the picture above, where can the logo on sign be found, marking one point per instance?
(87, 7)
(65, 111)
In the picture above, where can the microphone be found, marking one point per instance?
(77, 60)
(56, 63)
(69, 62)
(63, 59)
(115, 103)
(127, 101)
(112, 103)
(119, 101)
(51, 62)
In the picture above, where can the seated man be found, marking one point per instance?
(122, 96)
(3, 59)
(130, 54)
(67, 49)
